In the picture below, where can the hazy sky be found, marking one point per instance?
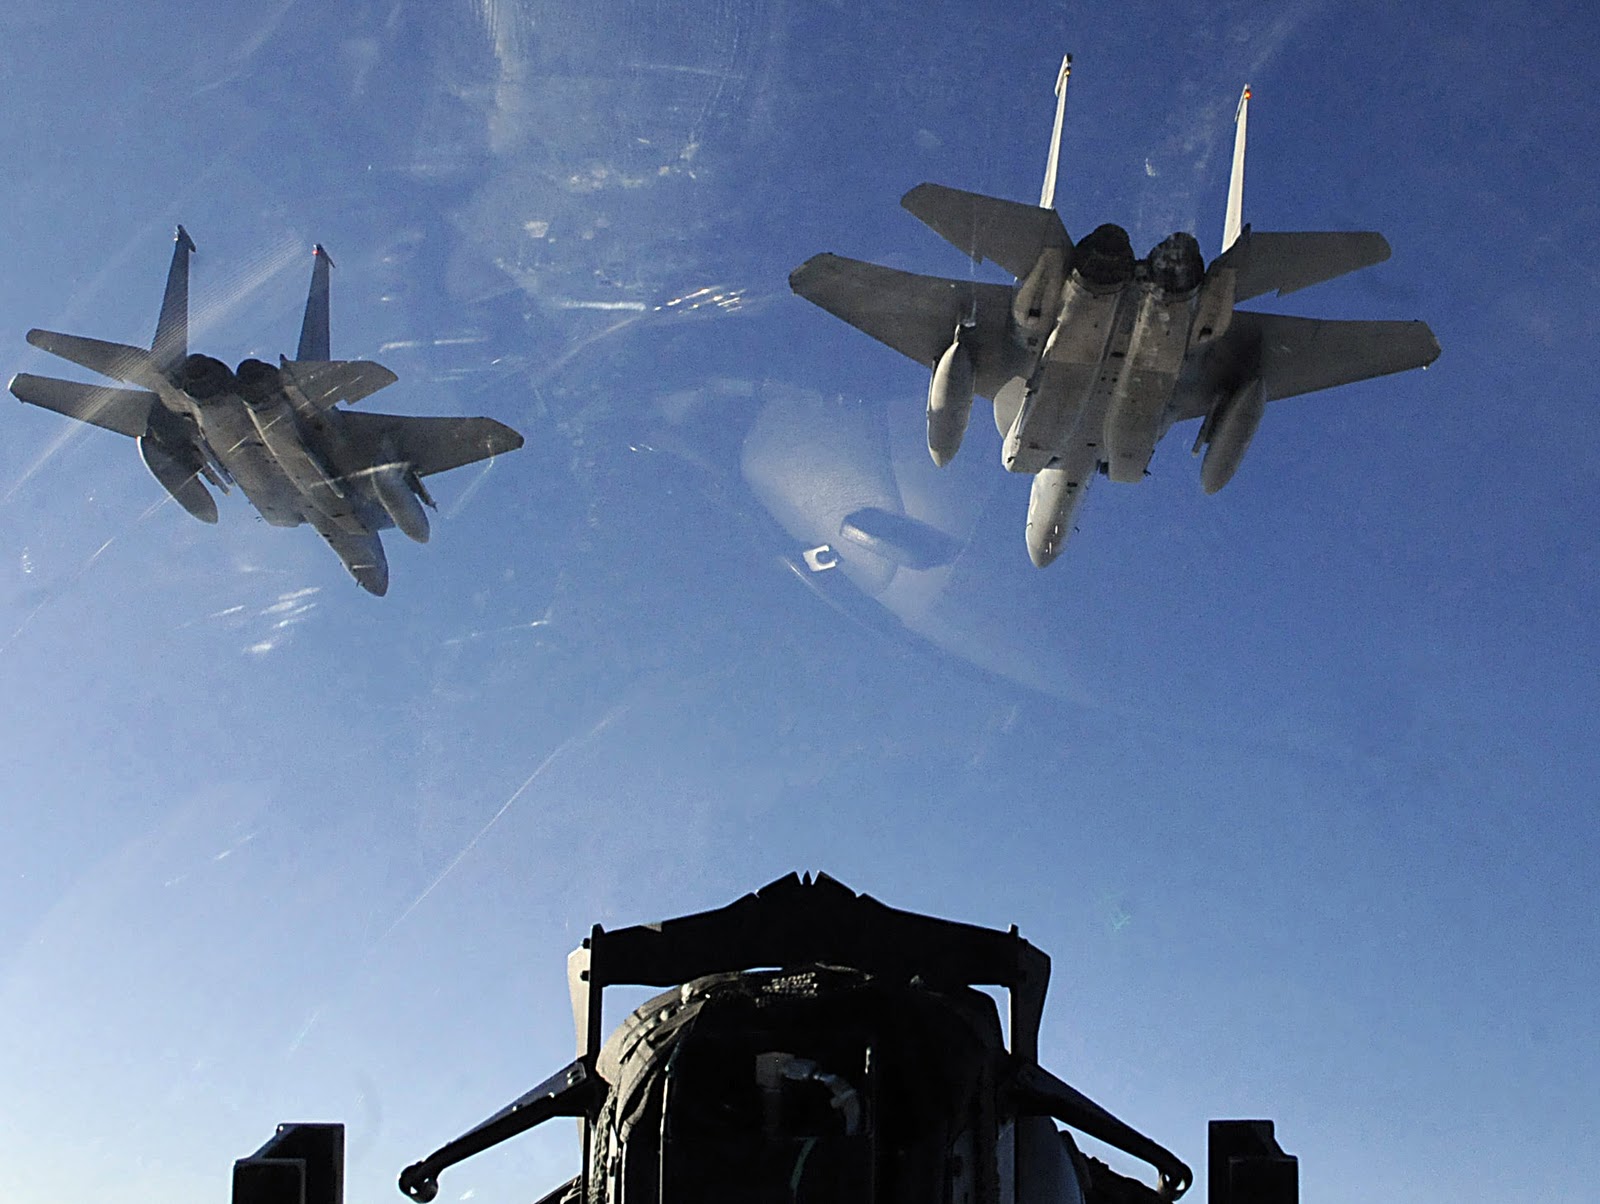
(1295, 783)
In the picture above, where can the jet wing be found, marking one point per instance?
(1304, 355)
(1009, 233)
(1285, 263)
(126, 411)
(325, 383)
(916, 315)
(119, 361)
(429, 445)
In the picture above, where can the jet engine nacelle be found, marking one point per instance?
(950, 401)
(1104, 260)
(258, 383)
(1038, 299)
(1176, 266)
(392, 483)
(204, 378)
(1231, 431)
(1213, 309)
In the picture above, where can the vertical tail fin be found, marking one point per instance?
(1047, 196)
(314, 342)
(171, 344)
(1234, 221)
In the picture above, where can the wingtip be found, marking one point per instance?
(1434, 339)
(799, 273)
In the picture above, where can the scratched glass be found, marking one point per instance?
(1294, 782)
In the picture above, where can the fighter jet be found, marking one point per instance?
(1093, 355)
(276, 432)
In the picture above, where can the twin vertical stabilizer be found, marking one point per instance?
(170, 347)
(171, 344)
(1234, 222)
(1047, 196)
(314, 339)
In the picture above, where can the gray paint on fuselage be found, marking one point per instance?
(1107, 377)
(227, 425)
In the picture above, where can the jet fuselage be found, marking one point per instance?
(1098, 370)
(293, 468)
(276, 432)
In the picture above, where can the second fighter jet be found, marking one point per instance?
(276, 432)
(1093, 355)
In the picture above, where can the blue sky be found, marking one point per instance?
(1294, 783)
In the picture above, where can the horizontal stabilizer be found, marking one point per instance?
(916, 315)
(119, 361)
(126, 411)
(1284, 263)
(323, 383)
(1008, 233)
(1302, 355)
(429, 445)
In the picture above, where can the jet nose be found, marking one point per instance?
(1042, 548)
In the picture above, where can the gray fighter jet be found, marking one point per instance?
(1093, 355)
(275, 432)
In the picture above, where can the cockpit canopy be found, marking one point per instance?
(799, 1086)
